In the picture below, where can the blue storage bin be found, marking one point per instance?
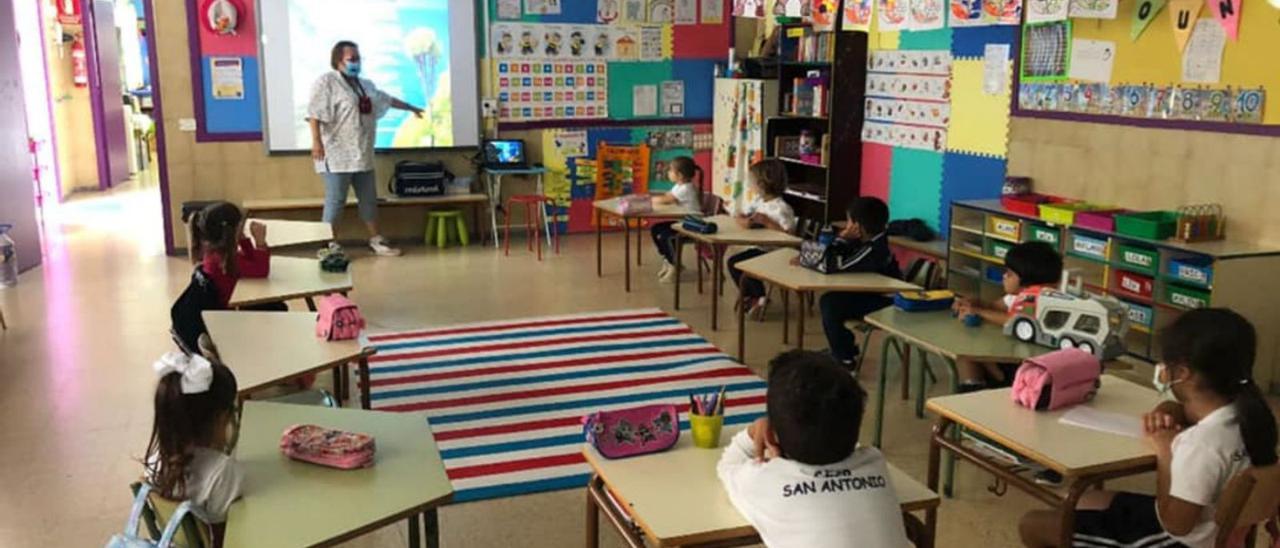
(1195, 271)
(995, 274)
(1141, 315)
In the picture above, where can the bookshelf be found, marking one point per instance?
(821, 81)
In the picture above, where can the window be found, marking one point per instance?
(1088, 324)
(1055, 320)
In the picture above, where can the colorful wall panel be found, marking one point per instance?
(234, 114)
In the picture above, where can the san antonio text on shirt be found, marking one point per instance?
(835, 481)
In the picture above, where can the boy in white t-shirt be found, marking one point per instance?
(799, 476)
(1218, 426)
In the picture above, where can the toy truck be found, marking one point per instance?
(1069, 318)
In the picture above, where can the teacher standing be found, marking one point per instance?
(343, 114)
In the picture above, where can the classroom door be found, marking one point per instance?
(17, 189)
(105, 93)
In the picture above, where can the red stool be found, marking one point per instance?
(535, 221)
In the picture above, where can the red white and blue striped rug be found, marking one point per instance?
(506, 399)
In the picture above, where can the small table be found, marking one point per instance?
(675, 499)
(775, 267)
(290, 233)
(493, 180)
(610, 207)
(942, 334)
(1084, 457)
(267, 348)
(289, 503)
(728, 233)
(291, 278)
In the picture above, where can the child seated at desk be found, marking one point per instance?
(187, 456)
(862, 246)
(799, 475)
(768, 179)
(217, 243)
(1218, 425)
(686, 194)
(1027, 267)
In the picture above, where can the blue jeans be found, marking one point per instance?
(335, 195)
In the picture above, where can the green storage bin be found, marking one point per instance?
(998, 248)
(1186, 297)
(1152, 225)
(1041, 233)
(1139, 259)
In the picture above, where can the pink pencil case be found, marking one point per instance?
(635, 431)
(328, 447)
(635, 203)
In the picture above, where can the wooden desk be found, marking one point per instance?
(610, 208)
(1084, 457)
(289, 233)
(776, 268)
(267, 348)
(288, 503)
(675, 499)
(728, 233)
(291, 278)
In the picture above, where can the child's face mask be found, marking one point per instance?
(1161, 385)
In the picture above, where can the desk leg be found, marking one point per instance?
(742, 324)
(786, 314)
(639, 242)
(800, 323)
(546, 220)
(940, 429)
(311, 304)
(717, 284)
(882, 380)
(677, 243)
(599, 243)
(905, 354)
(626, 255)
(922, 359)
(495, 199)
(930, 528)
(365, 402)
(593, 515)
(415, 536)
(431, 526)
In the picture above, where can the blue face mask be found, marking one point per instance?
(352, 69)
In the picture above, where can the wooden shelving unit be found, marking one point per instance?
(1157, 279)
(821, 192)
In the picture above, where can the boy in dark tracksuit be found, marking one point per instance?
(862, 246)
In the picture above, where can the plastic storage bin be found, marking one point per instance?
(1152, 225)
(998, 248)
(1028, 204)
(1103, 220)
(1190, 270)
(1141, 314)
(1041, 233)
(1063, 213)
(994, 274)
(1089, 246)
(1135, 284)
(1186, 297)
(1140, 259)
(1004, 227)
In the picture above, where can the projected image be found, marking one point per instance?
(504, 152)
(405, 51)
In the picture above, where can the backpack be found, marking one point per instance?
(188, 323)
(337, 318)
(412, 178)
(911, 228)
(130, 539)
(1057, 379)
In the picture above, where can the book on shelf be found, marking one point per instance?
(813, 47)
(810, 96)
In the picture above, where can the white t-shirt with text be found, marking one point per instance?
(1206, 456)
(849, 504)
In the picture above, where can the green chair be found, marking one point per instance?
(438, 227)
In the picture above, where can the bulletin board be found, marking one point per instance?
(1155, 59)
(658, 64)
(224, 75)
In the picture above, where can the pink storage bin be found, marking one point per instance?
(1103, 220)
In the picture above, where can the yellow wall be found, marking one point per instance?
(72, 116)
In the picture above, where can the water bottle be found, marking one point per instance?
(827, 235)
(8, 258)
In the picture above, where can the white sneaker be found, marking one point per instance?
(381, 247)
(330, 249)
(672, 275)
(666, 267)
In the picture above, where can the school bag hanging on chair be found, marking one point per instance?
(130, 539)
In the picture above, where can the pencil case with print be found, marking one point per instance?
(328, 447)
(634, 431)
(924, 301)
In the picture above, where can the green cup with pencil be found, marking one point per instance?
(706, 418)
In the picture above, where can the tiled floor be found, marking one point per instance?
(84, 328)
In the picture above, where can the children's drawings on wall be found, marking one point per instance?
(571, 143)
(823, 13)
(686, 12)
(935, 114)
(508, 9)
(856, 15)
(1041, 11)
(1094, 9)
(936, 62)
(633, 11)
(1002, 12)
(660, 12)
(893, 14)
(542, 7)
(625, 43)
(578, 42)
(927, 15)
(650, 43)
(1044, 51)
(1231, 105)
(908, 86)
(608, 11)
(748, 8)
(712, 12)
(532, 90)
(897, 135)
(967, 13)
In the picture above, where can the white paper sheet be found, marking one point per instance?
(542, 7)
(227, 74)
(1103, 421)
(711, 12)
(1094, 9)
(644, 101)
(686, 12)
(1202, 62)
(1040, 11)
(650, 43)
(995, 69)
(673, 98)
(1091, 60)
(508, 9)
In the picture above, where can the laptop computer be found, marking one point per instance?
(505, 154)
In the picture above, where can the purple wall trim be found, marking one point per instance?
(197, 84)
(95, 92)
(558, 124)
(157, 112)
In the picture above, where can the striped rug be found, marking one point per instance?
(506, 399)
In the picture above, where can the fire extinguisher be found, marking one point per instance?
(79, 64)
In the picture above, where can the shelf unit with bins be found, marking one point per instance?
(1157, 279)
(815, 190)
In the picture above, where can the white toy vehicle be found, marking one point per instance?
(1065, 318)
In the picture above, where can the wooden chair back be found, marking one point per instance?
(1251, 497)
